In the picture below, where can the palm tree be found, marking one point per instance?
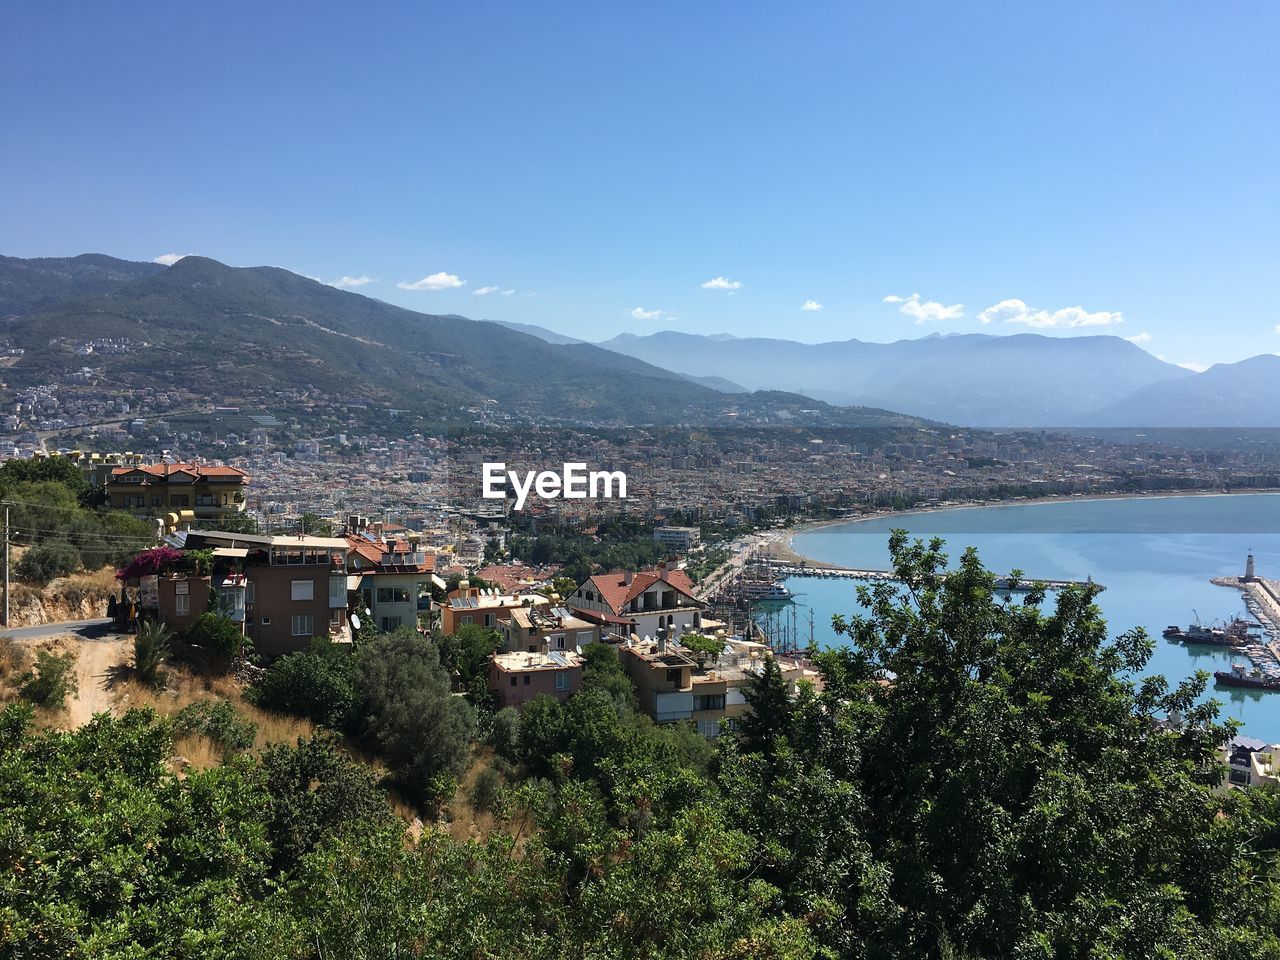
(150, 647)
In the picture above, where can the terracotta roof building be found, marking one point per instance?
(152, 490)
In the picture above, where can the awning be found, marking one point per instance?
(238, 553)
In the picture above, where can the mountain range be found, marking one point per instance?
(233, 332)
(1022, 380)
(247, 333)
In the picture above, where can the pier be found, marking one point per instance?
(792, 568)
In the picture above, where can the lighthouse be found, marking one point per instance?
(1249, 573)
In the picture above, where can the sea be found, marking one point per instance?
(1154, 555)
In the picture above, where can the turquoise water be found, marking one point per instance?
(1155, 556)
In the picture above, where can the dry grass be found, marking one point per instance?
(14, 661)
(196, 752)
(465, 821)
(184, 688)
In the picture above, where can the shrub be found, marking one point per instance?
(45, 561)
(218, 636)
(50, 681)
(504, 734)
(150, 648)
(219, 721)
(315, 684)
(485, 790)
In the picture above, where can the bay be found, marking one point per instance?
(1154, 555)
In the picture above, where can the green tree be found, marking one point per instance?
(50, 681)
(318, 793)
(407, 713)
(45, 561)
(466, 652)
(315, 683)
(315, 525)
(602, 670)
(971, 770)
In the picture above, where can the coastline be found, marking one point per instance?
(784, 548)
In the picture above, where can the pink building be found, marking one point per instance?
(519, 677)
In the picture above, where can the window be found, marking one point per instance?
(182, 604)
(1240, 777)
(303, 590)
(467, 618)
(713, 702)
(248, 592)
(157, 500)
(526, 679)
(557, 641)
(562, 680)
(302, 625)
(709, 728)
(266, 621)
(390, 624)
(513, 681)
(393, 594)
(182, 501)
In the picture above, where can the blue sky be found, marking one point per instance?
(1002, 161)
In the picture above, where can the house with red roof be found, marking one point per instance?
(392, 579)
(152, 490)
(641, 602)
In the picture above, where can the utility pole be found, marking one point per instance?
(6, 565)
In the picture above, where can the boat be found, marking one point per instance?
(765, 590)
(1238, 676)
(1236, 633)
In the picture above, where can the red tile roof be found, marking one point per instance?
(162, 470)
(617, 593)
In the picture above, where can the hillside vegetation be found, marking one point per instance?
(1009, 794)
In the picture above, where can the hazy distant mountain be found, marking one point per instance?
(969, 379)
(27, 285)
(248, 332)
(721, 384)
(542, 333)
(1244, 394)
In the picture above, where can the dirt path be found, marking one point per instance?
(102, 659)
(97, 669)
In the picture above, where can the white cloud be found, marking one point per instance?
(811, 305)
(1194, 366)
(484, 291)
(722, 283)
(1140, 338)
(923, 311)
(531, 294)
(437, 281)
(169, 259)
(1016, 311)
(640, 313)
(507, 293)
(345, 282)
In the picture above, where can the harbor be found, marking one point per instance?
(1259, 643)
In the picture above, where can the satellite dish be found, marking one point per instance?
(368, 612)
(355, 621)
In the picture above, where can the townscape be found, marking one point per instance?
(639, 482)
